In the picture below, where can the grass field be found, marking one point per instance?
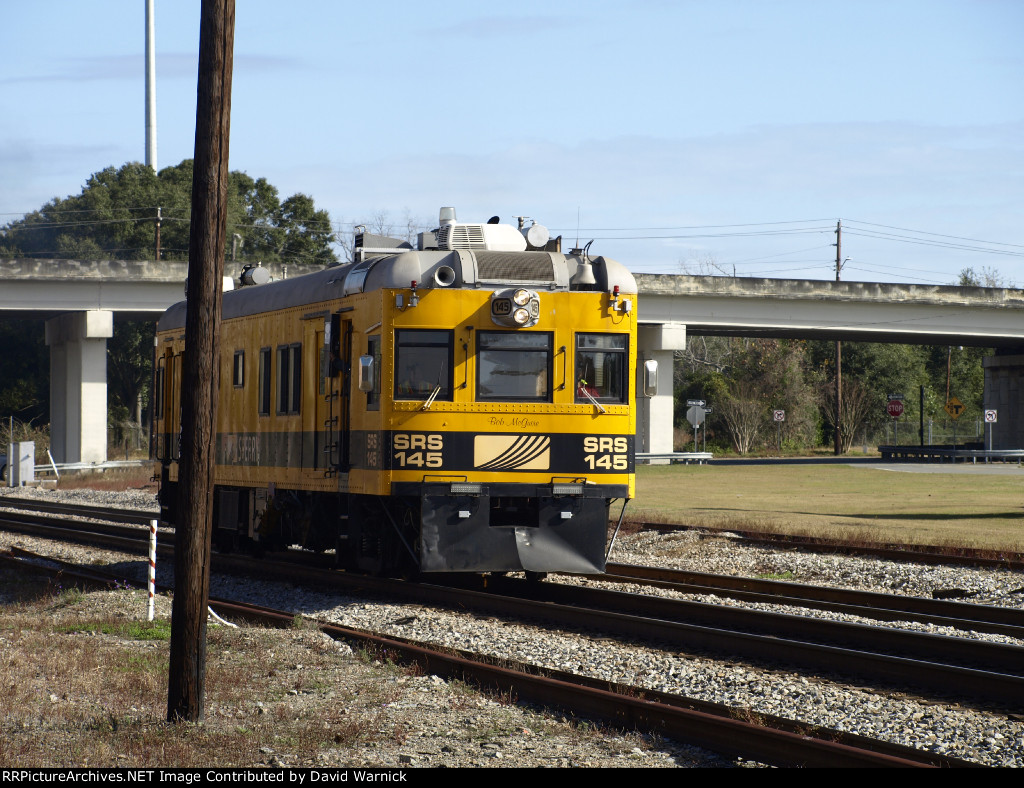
(857, 503)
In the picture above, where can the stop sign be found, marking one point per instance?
(894, 408)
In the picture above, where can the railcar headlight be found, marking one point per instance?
(515, 308)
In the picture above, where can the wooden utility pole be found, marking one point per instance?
(200, 372)
(839, 352)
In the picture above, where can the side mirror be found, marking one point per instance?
(650, 378)
(366, 373)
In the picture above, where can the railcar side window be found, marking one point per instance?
(601, 363)
(289, 378)
(423, 361)
(514, 365)
(264, 403)
(238, 369)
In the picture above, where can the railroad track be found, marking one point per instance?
(54, 523)
(920, 554)
(79, 510)
(978, 671)
(867, 604)
(771, 740)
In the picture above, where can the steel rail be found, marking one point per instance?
(922, 554)
(916, 553)
(921, 672)
(121, 537)
(868, 604)
(769, 637)
(886, 607)
(779, 742)
(110, 514)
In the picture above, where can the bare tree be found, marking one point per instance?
(381, 223)
(705, 354)
(856, 405)
(703, 264)
(744, 412)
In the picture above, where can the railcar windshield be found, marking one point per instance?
(514, 365)
(422, 364)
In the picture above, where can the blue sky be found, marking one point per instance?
(704, 136)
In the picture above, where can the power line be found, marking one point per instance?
(780, 254)
(938, 235)
(692, 226)
(680, 232)
(762, 233)
(934, 244)
(888, 270)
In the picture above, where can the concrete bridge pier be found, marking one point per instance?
(1004, 393)
(78, 385)
(654, 415)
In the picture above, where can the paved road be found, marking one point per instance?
(992, 468)
(988, 469)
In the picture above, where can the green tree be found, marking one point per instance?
(744, 380)
(115, 218)
(24, 371)
(958, 371)
(129, 370)
(874, 370)
(881, 369)
(986, 277)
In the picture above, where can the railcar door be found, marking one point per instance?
(321, 426)
(335, 398)
(172, 423)
(159, 400)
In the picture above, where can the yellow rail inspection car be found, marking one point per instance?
(461, 405)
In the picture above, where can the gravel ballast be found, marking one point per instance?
(993, 737)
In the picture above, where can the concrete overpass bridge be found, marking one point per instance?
(848, 311)
(80, 299)
(672, 306)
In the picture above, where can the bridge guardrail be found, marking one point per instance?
(686, 457)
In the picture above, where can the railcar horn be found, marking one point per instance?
(444, 276)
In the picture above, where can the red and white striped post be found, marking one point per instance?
(152, 568)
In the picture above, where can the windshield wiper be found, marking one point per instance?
(432, 397)
(590, 396)
(436, 391)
